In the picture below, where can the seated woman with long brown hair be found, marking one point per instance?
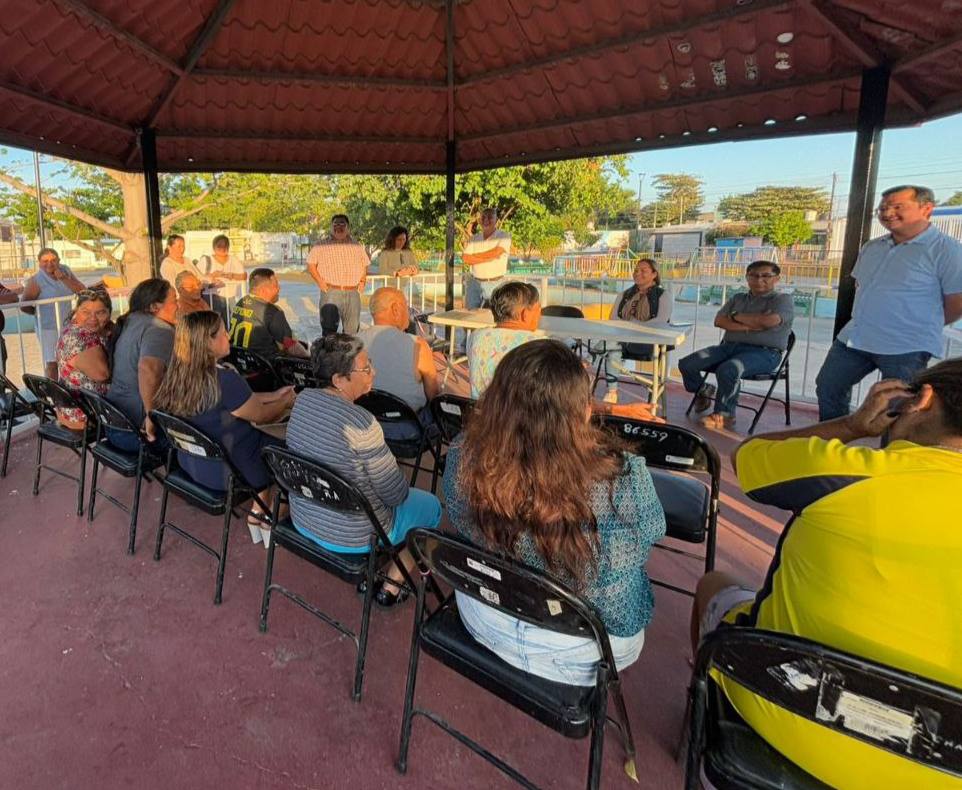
(535, 479)
(217, 401)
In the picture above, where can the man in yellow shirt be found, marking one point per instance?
(869, 562)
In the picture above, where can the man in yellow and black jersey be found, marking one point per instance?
(259, 325)
(869, 562)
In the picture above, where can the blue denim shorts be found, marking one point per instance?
(547, 654)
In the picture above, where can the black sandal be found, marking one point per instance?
(388, 600)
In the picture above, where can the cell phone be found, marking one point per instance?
(897, 405)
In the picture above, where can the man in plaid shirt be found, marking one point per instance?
(339, 265)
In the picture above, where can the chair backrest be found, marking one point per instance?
(54, 395)
(562, 311)
(108, 415)
(185, 437)
(450, 413)
(507, 585)
(296, 372)
(893, 710)
(788, 347)
(12, 401)
(387, 407)
(305, 478)
(667, 446)
(249, 363)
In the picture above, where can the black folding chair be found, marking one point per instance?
(13, 407)
(781, 373)
(51, 395)
(295, 372)
(895, 711)
(450, 412)
(183, 436)
(325, 487)
(674, 456)
(532, 596)
(389, 410)
(137, 465)
(257, 371)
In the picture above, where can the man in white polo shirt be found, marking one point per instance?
(486, 256)
(909, 288)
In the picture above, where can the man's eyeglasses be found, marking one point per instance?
(754, 276)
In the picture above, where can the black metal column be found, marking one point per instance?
(861, 193)
(148, 152)
(449, 231)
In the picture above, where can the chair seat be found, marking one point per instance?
(57, 434)
(686, 502)
(210, 500)
(565, 709)
(20, 409)
(349, 567)
(767, 376)
(737, 757)
(121, 461)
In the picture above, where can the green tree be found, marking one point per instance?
(679, 199)
(765, 202)
(784, 229)
(955, 200)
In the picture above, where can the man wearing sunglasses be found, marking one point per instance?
(909, 288)
(757, 325)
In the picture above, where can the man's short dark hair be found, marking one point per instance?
(340, 216)
(258, 277)
(508, 299)
(946, 379)
(776, 269)
(922, 194)
(220, 240)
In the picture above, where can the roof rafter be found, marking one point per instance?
(255, 136)
(677, 104)
(101, 22)
(861, 48)
(64, 106)
(319, 79)
(937, 49)
(736, 12)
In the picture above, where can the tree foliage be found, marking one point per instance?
(679, 199)
(955, 200)
(784, 229)
(763, 203)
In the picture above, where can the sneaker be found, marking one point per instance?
(704, 397)
(611, 396)
(266, 537)
(255, 529)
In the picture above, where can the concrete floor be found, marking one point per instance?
(117, 671)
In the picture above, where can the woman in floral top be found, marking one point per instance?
(82, 351)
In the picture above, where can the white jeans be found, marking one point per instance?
(547, 654)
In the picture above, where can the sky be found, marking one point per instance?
(929, 154)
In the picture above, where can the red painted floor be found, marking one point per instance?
(118, 671)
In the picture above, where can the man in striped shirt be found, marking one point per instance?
(339, 265)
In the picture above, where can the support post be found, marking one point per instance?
(861, 194)
(40, 217)
(449, 230)
(148, 153)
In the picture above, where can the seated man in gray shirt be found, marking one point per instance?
(757, 325)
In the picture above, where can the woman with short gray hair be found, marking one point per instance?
(327, 427)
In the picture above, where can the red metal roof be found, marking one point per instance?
(362, 85)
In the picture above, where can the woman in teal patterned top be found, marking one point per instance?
(535, 479)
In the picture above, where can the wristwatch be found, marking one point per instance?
(732, 315)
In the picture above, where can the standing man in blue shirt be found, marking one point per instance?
(909, 287)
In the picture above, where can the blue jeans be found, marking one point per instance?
(734, 362)
(419, 509)
(476, 291)
(547, 654)
(845, 366)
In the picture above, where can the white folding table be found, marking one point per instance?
(659, 336)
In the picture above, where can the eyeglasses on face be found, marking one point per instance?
(757, 276)
(369, 368)
(50, 260)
